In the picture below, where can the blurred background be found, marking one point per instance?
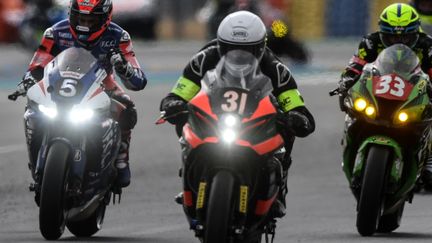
(191, 19)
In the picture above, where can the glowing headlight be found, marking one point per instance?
(403, 117)
(48, 111)
(229, 135)
(230, 121)
(80, 115)
(360, 104)
(370, 111)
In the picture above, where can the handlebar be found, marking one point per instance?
(335, 92)
(163, 118)
(14, 96)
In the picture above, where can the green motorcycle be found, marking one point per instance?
(387, 137)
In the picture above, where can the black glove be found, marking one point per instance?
(120, 64)
(27, 81)
(174, 109)
(298, 123)
(345, 84)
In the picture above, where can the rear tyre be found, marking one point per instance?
(390, 222)
(52, 198)
(219, 208)
(370, 203)
(89, 226)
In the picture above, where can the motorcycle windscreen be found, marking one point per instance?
(236, 84)
(398, 59)
(71, 74)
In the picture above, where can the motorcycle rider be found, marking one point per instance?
(296, 116)
(424, 9)
(89, 26)
(399, 24)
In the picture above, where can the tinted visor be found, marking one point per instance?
(86, 23)
(409, 39)
(255, 49)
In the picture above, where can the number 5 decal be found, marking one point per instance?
(232, 102)
(68, 88)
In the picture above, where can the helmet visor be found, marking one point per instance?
(408, 39)
(86, 23)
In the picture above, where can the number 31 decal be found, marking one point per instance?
(234, 102)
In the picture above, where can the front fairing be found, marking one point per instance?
(416, 105)
(234, 104)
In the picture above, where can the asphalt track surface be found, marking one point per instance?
(320, 207)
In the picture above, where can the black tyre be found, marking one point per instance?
(219, 208)
(89, 226)
(52, 202)
(390, 222)
(370, 203)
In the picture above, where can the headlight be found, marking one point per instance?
(229, 135)
(48, 111)
(370, 111)
(403, 117)
(360, 104)
(230, 121)
(78, 115)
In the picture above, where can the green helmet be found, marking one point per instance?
(399, 24)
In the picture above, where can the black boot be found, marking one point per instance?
(122, 162)
(278, 209)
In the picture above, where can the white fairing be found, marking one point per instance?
(94, 98)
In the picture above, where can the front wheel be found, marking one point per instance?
(54, 183)
(219, 209)
(89, 226)
(370, 204)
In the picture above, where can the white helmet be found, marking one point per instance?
(242, 30)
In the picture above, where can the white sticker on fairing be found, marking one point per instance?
(197, 63)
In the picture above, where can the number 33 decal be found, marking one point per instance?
(233, 103)
(393, 84)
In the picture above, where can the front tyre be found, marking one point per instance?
(52, 198)
(89, 226)
(219, 208)
(370, 203)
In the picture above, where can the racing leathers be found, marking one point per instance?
(297, 119)
(114, 51)
(368, 50)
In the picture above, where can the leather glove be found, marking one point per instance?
(173, 107)
(345, 84)
(27, 81)
(120, 64)
(298, 123)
